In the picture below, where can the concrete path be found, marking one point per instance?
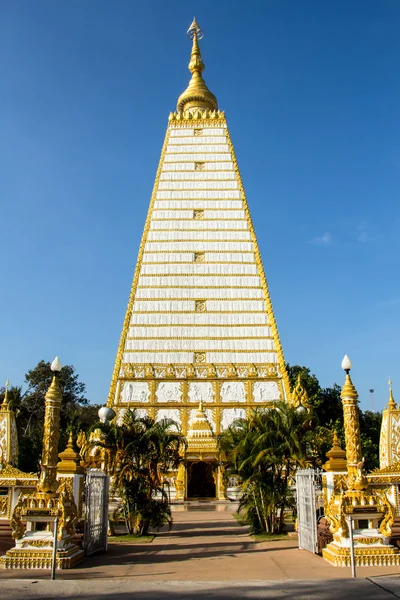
(205, 554)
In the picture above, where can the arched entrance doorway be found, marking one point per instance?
(201, 482)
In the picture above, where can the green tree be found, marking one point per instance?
(264, 452)
(76, 412)
(327, 408)
(139, 453)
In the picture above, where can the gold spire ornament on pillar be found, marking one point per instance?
(51, 435)
(197, 96)
(356, 479)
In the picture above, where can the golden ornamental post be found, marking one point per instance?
(51, 435)
(355, 473)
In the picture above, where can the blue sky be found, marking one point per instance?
(311, 92)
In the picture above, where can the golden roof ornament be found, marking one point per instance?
(197, 96)
(299, 395)
(69, 459)
(4, 404)
(391, 404)
(336, 456)
(348, 389)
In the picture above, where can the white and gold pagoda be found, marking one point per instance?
(199, 325)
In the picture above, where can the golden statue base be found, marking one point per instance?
(29, 555)
(368, 552)
(33, 522)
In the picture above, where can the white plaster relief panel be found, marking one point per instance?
(197, 246)
(169, 413)
(171, 158)
(199, 280)
(120, 415)
(186, 294)
(186, 149)
(198, 176)
(189, 131)
(241, 358)
(168, 391)
(198, 185)
(229, 415)
(233, 391)
(238, 319)
(166, 357)
(220, 166)
(198, 345)
(187, 331)
(177, 166)
(191, 142)
(200, 195)
(162, 306)
(198, 269)
(265, 391)
(171, 167)
(235, 305)
(200, 224)
(136, 391)
(185, 204)
(230, 257)
(181, 357)
(201, 390)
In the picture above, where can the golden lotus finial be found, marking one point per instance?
(197, 96)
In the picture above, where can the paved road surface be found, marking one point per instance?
(207, 554)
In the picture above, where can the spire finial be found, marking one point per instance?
(5, 401)
(391, 403)
(197, 96)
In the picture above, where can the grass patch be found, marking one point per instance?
(260, 537)
(269, 537)
(131, 539)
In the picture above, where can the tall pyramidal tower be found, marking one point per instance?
(199, 342)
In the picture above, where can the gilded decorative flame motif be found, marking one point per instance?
(48, 477)
(356, 479)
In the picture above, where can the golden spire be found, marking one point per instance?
(69, 459)
(336, 456)
(391, 404)
(5, 401)
(197, 96)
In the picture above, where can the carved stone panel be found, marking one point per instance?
(233, 391)
(136, 391)
(231, 414)
(265, 391)
(201, 390)
(169, 391)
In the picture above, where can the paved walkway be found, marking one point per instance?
(205, 551)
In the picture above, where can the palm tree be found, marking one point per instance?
(264, 451)
(138, 454)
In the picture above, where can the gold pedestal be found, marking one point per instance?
(369, 551)
(34, 542)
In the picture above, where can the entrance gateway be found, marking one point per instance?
(201, 479)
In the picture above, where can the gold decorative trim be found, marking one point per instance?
(267, 298)
(125, 327)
